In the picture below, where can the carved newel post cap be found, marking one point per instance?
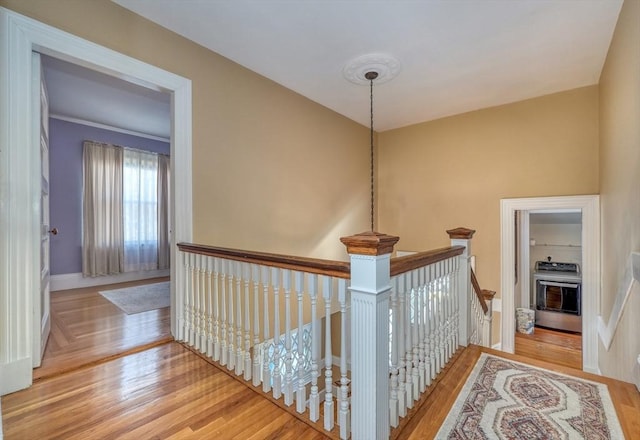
(461, 233)
(370, 243)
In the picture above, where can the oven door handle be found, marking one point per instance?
(550, 283)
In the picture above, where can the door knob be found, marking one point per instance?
(54, 231)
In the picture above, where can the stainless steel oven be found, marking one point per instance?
(558, 292)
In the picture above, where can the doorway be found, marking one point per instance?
(588, 206)
(20, 158)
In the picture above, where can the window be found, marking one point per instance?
(140, 210)
(125, 210)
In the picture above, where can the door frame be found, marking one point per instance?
(590, 207)
(20, 164)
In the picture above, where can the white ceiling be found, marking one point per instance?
(79, 94)
(455, 55)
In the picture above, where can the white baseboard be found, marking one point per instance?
(607, 330)
(497, 346)
(15, 375)
(76, 280)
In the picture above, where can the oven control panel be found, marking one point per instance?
(552, 266)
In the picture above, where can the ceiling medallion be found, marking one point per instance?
(386, 66)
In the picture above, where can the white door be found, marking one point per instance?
(41, 315)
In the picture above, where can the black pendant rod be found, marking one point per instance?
(371, 76)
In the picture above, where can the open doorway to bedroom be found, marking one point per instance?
(21, 38)
(91, 110)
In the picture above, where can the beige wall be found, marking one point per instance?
(453, 172)
(272, 170)
(620, 186)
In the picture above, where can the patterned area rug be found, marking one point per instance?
(139, 299)
(504, 399)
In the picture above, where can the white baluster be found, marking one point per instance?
(288, 355)
(415, 371)
(393, 398)
(433, 322)
(408, 342)
(191, 306)
(239, 363)
(344, 417)
(421, 321)
(456, 302)
(402, 377)
(209, 295)
(427, 324)
(445, 312)
(202, 343)
(301, 391)
(450, 298)
(445, 298)
(216, 309)
(247, 323)
(314, 397)
(223, 309)
(266, 372)
(277, 373)
(441, 316)
(438, 318)
(255, 275)
(231, 346)
(327, 290)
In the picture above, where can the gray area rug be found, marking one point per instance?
(140, 299)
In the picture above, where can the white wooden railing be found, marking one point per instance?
(386, 327)
(247, 311)
(481, 314)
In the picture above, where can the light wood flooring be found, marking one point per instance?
(165, 391)
(553, 346)
(87, 328)
(168, 392)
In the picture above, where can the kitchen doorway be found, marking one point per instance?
(517, 291)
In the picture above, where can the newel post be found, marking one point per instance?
(370, 255)
(462, 237)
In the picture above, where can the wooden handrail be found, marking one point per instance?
(339, 269)
(483, 295)
(420, 259)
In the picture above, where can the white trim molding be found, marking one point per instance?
(76, 280)
(108, 127)
(607, 330)
(20, 172)
(589, 205)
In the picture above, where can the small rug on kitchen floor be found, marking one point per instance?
(504, 399)
(139, 299)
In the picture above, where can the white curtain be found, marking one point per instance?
(163, 212)
(102, 232)
(140, 210)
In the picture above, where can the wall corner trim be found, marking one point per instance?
(607, 330)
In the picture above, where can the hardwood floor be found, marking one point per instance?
(168, 392)
(165, 392)
(87, 328)
(553, 346)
